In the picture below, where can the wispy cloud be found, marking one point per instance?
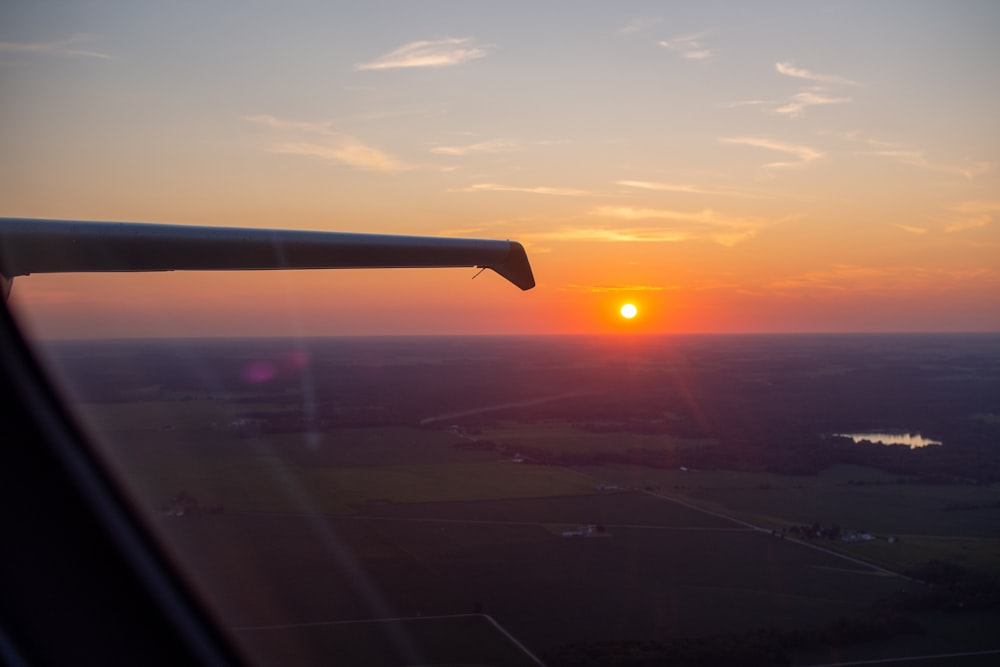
(638, 25)
(914, 157)
(437, 53)
(414, 110)
(636, 213)
(536, 190)
(633, 225)
(748, 103)
(511, 227)
(494, 146)
(605, 234)
(973, 215)
(917, 158)
(801, 100)
(617, 288)
(911, 229)
(805, 154)
(788, 69)
(685, 188)
(808, 96)
(796, 104)
(852, 279)
(689, 47)
(64, 47)
(318, 127)
(347, 151)
(332, 146)
(703, 225)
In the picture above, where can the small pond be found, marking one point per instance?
(913, 440)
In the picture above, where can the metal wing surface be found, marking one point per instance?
(66, 246)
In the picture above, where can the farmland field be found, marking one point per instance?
(558, 437)
(583, 494)
(640, 582)
(927, 521)
(459, 639)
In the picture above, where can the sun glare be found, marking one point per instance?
(629, 311)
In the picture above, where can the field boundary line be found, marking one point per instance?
(388, 619)
(512, 638)
(544, 524)
(877, 568)
(717, 515)
(909, 658)
(747, 524)
(313, 624)
(490, 522)
(851, 559)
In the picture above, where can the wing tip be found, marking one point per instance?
(515, 267)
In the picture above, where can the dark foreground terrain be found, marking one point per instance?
(626, 501)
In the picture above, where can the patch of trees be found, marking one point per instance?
(765, 401)
(327, 418)
(963, 507)
(817, 530)
(760, 647)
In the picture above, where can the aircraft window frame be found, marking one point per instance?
(84, 582)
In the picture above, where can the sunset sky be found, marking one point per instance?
(725, 166)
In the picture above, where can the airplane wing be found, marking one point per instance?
(58, 246)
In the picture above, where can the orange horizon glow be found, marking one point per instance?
(764, 182)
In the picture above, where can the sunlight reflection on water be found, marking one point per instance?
(911, 439)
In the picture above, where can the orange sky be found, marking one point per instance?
(726, 171)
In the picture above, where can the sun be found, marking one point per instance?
(629, 311)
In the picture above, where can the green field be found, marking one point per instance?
(557, 437)
(325, 529)
(918, 515)
(161, 448)
(951, 633)
(928, 522)
(254, 474)
(158, 415)
(547, 590)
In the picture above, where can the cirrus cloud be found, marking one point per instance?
(64, 47)
(436, 53)
(346, 151)
(686, 188)
(638, 25)
(917, 158)
(688, 47)
(788, 69)
(494, 146)
(973, 215)
(617, 288)
(805, 154)
(535, 190)
(649, 225)
(803, 99)
(318, 139)
(856, 279)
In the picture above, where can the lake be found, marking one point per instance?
(910, 439)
